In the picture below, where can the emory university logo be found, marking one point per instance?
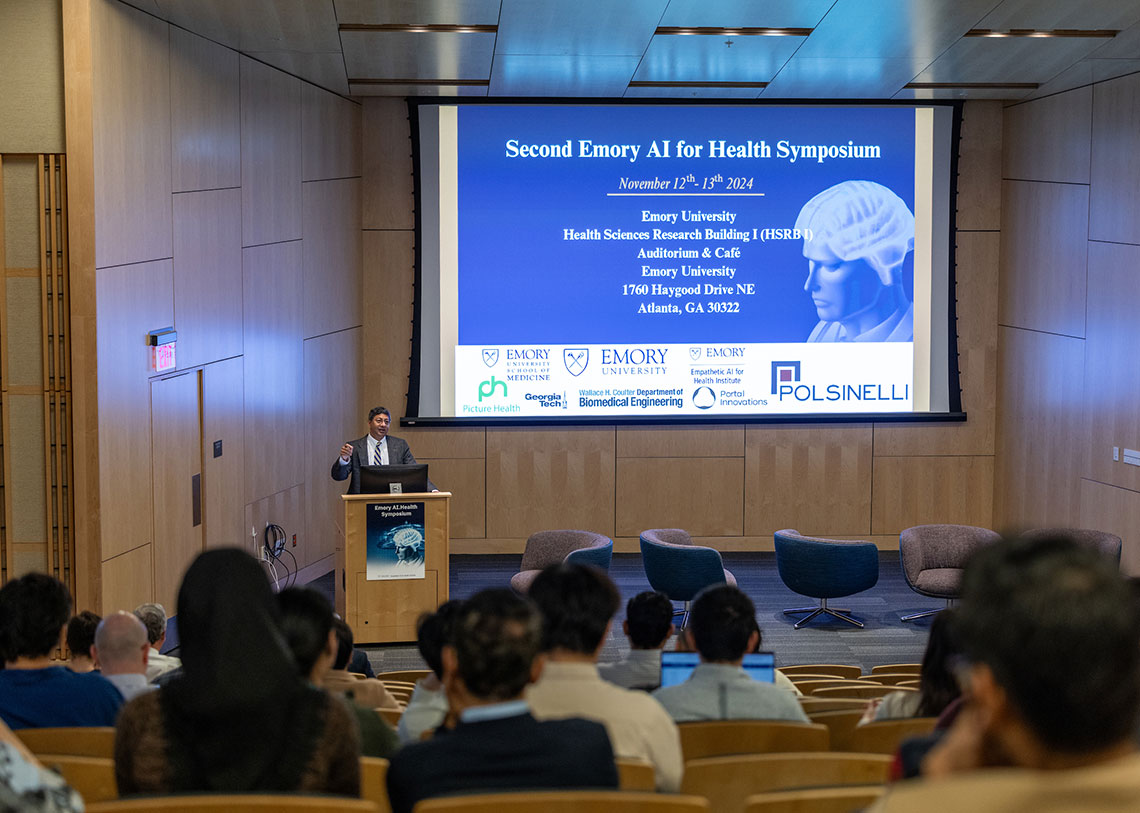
(783, 372)
(576, 359)
(491, 357)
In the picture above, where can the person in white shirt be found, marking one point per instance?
(121, 649)
(428, 707)
(648, 625)
(153, 617)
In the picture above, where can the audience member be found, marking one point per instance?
(722, 627)
(80, 639)
(238, 718)
(368, 692)
(577, 603)
(427, 708)
(1051, 637)
(648, 625)
(359, 664)
(25, 785)
(120, 650)
(153, 617)
(35, 691)
(937, 686)
(307, 623)
(497, 744)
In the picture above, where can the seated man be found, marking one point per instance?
(428, 707)
(1051, 637)
(369, 692)
(80, 639)
(35, 692)
(121, 649)
(307, 624)
(496, 744)
(722, 628)
(648, 625)
(153, 617)
(577, 603)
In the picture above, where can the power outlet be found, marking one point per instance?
(1115, 454)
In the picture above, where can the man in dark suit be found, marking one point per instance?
(377, 448)
(496, 743)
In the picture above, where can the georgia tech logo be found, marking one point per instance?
(784, 372)
(487, 388)
(704, 398)
(576, 359)
(491, 357)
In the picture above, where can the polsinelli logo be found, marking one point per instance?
(487, 388)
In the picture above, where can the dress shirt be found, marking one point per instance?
(717, 691)
(641, 669)
(425, 712)
(372, 444)
(130, 684)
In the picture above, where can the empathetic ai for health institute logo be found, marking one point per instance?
(784, 372)
(576, 359)
(491, 357)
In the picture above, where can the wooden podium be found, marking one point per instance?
(385, 611)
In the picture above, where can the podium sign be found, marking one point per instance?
(396, 542)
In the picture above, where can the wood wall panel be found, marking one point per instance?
(387, 151)
(207, 276)
(1041, 415)
(332, 385)
(330, 135)
(661, 441)
(128, 581)
(388, 277)
(458, 442)
(223, 486)
(911, 491)
(285, 508)
(466, 479)
(1114, 206)
(205, 121)
(815, 479)
(131, 104)
(332, 255)
(979, 176)
(274, 387)
(130, 300)
(1116, 510)
(1049, 139)
(270, 154)
(1112, 375)
(1044, 253)
(702, 495)
(545, 479)
(977, 286)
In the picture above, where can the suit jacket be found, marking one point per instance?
(510, 753)
(398, 454)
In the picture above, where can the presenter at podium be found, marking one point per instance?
(377, 448)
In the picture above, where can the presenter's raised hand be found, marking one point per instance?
(346, 452)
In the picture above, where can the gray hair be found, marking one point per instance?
(153, 617)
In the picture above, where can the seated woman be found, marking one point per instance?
(937, 687)
(239, 719)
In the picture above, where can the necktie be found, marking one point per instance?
(376, 457)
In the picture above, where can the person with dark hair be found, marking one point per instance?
(577, 603)
(239, 718)
(648, 625)
(497, 744)
(377, 448)
(80, 639)
(427, 708)
(35, 691)
(937, 688)
(153, 617)
(1050, 635)
(307, 624)
(722, 627)
(367, 692)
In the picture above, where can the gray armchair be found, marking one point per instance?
(547, 548)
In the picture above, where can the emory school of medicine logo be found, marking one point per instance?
(491, 357)
(576, 359)
(783, 372)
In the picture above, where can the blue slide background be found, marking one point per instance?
(521, 283)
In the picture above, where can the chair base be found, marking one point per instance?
(834, 612)
(684, 613)
(928, 613)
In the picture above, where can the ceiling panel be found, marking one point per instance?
(323, 70)
(423, 55)
(898, 28)
(669, 94)
(1008, 59)
(1046, 15)
(259, 25)
(417, 12)
(1125, 45)
(581, 27)
(1086, 72)
(149, 6)
(737, 14)
(999, 94)
(842, 78)
(418, 90)
(703, 58)
(525, 75)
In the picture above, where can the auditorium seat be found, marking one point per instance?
(678, 568)
(814, 800)
(546, 548)
(714, 738)
(566, 801)
(235, 803)
(933, 557)
(824, 569)
(1108, 544)
(90, 741)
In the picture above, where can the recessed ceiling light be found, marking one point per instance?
(406, 28)
(709, 31)
(1098, 33)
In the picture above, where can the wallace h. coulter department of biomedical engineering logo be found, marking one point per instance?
(576, 359)
(784, 372)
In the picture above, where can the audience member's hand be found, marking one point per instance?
(871, 710)
(962, 749)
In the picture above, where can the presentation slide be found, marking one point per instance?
(606, 260)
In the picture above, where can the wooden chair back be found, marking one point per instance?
(93, 777)
(392, 716)
(402, 692)
(895, 668)
(839, 724)
(891, 678)
(914, 684)
(727, 782)
(816, 800)
(813, 685)
(374, 782)
(235, 803)
(841, 670)
(566, 801)
(635, 774)
(717, 738)
(88, 741)
(811, 704)
(406, 675)
(802, 677)
(867, 691)
(883, 737)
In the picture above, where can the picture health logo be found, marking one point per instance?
(487, 388)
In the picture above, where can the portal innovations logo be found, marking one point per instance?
(704, 398)
(491, 357)
(487, 388)
(576, 359)
(784, 372)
